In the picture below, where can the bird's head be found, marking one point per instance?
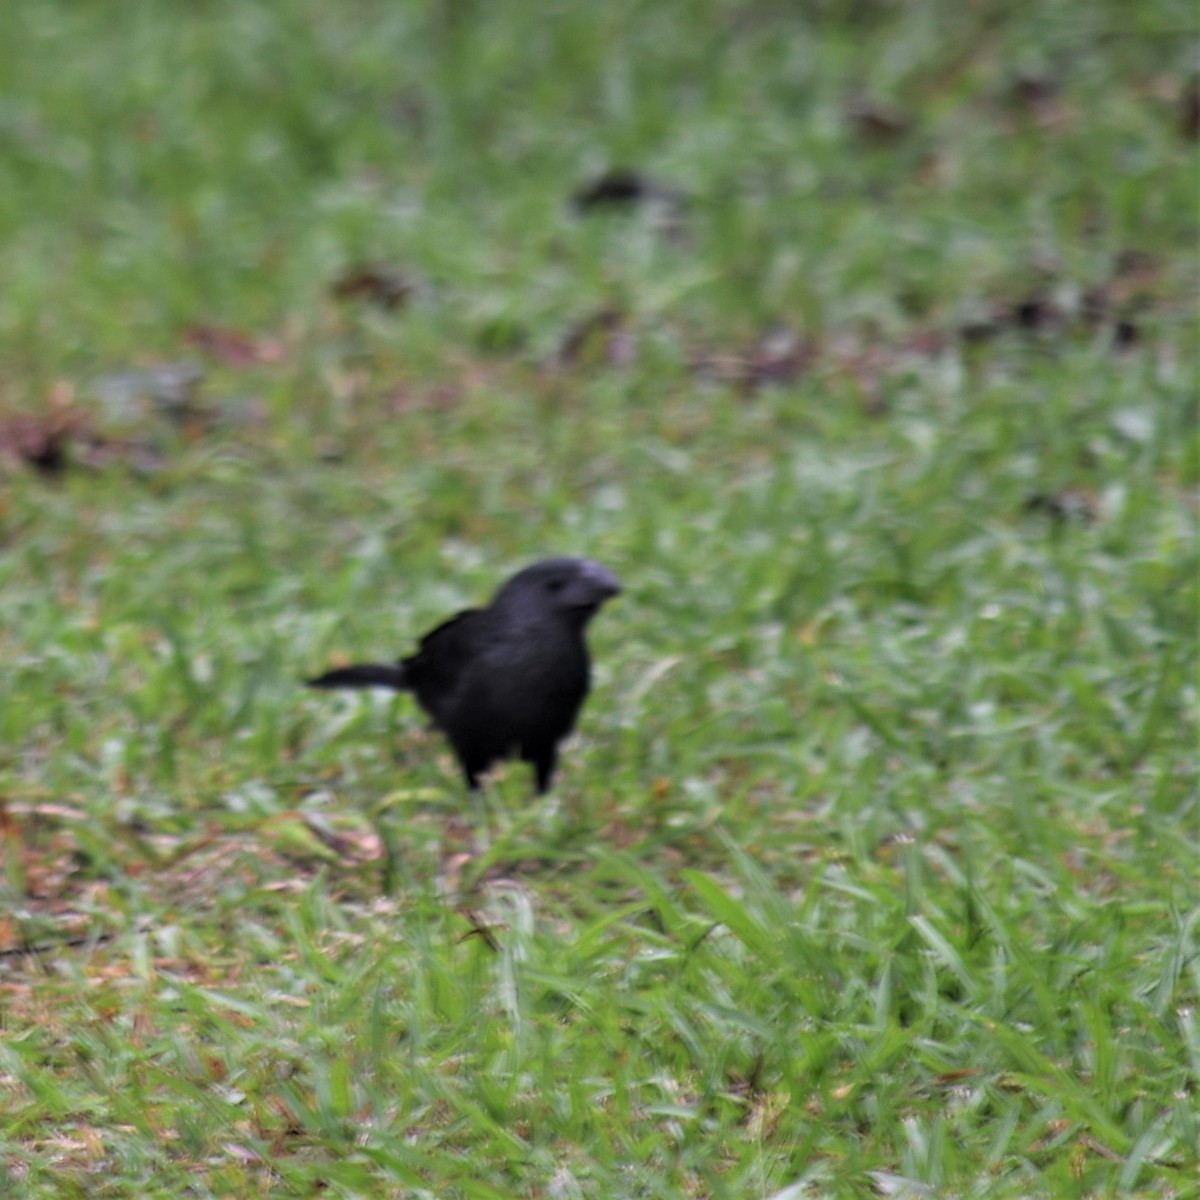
(571, 587)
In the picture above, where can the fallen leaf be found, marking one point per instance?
(234, 347)
(778, 357)
(386, 287)
(875, 121)
(41, 442)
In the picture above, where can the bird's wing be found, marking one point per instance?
(453, 636)
(444, 657)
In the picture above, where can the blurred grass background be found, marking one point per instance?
(873, 868)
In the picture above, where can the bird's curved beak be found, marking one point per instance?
(602, 582)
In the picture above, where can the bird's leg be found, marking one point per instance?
(544, 761)
(474, 770)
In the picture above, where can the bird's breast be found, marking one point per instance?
(539, 679)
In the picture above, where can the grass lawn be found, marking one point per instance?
(874, 868)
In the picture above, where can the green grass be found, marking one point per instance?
(874, 867)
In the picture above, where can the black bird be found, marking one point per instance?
(508, 679)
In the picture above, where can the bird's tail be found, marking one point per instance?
(362, 675)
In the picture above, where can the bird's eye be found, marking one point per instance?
(555, 585)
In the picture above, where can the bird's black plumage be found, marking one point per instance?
(508, 679)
